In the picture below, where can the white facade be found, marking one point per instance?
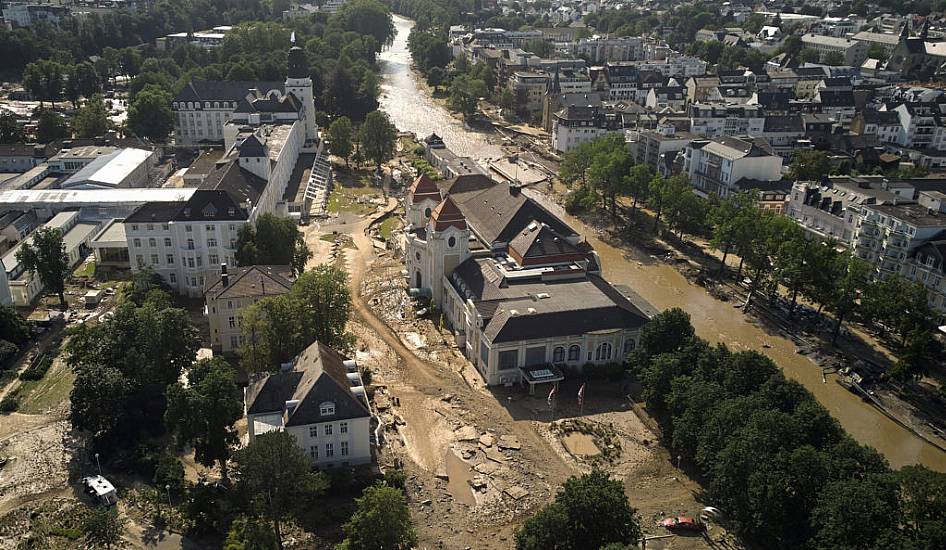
(720, 120)
(716, 167)
(186, 254)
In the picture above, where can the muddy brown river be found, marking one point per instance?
(412, 110)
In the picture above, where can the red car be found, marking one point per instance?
(681, 523)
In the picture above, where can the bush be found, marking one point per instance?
(580, 199)
(37, 370)
(8, 351)
(11, 402)
(395, 477)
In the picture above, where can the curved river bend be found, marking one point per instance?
(412, 110)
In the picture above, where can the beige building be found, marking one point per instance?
(320, 400)
(236, 289)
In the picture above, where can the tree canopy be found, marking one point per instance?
(381, 520)
(272, 241)
(45, 255)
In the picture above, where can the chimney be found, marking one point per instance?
(224, 276)
(515, 189)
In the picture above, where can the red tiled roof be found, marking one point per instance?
(424, 188)
(447, 214)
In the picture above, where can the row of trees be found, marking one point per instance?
(773, 459)
(775, 252)
(374, 140)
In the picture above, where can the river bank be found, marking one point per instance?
(412, 110)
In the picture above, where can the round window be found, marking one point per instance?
(417, 255)
(451, 242)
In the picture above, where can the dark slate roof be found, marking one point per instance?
(224, 90)
(241, 184)
(252, 147)
(836, 98)
(591, 305)
(204, 205)
(785, 123)
(539, 240)
(155, 212)
(318, 375)
(497, 212)
(264, 104)
(885, 118)
(252, 281)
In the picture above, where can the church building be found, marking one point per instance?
(521, 290)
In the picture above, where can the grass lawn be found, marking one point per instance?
(388, 226)
(85, 269)
(345, 199)
(37, 396)
(328, 237)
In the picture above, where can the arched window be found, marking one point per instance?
(603, 353)
(327, 408)
(629, 345)
(427, 212)
(558, 354)
(417, 280)
(574, 352)
(452, 241)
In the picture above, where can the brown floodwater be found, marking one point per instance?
(458, 479)
(412, 110)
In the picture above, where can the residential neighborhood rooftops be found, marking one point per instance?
(251, 281)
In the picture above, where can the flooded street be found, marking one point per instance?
(412, 110)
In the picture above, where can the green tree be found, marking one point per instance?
(381, 520)
(13, 327)
(923, 501)
(45, 255)
(272, 241)
(608, 169)
(274, 479)
(317, 308)
(92, 119)
(851, 514)
(726, 218)
(900, 305)
(575, 164)
(103, 527)
(809, 55)
(51, 126)
(367, 17)
(124, 366)
(436, 76)
(793, 263)
(834, 59)
(588, 512)
(248, 533)
(44, 79)
(809, 166)
(843, 300)
(378, 136)
(150, 114)
(203, 411)
(9, 129)
(916, 357)
(465, 93)
(637, 183)
(340, 138)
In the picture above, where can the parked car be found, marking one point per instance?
(681, 523)
(100, 489)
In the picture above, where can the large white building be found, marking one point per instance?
(265, 136)
(320, 400)
(521, 290)
(724, 165)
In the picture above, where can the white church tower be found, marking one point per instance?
(448, 245)
(299, 84)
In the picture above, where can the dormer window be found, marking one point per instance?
(327, 408)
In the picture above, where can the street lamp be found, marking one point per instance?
(99, 464)
(168, 489)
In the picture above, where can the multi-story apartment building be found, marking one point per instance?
(853, 52)
(185, 242)
(711, 120)
(235, 289)
(652, 147)
(724, 165)
(530, 89)
(203, 107)
(601, 49)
